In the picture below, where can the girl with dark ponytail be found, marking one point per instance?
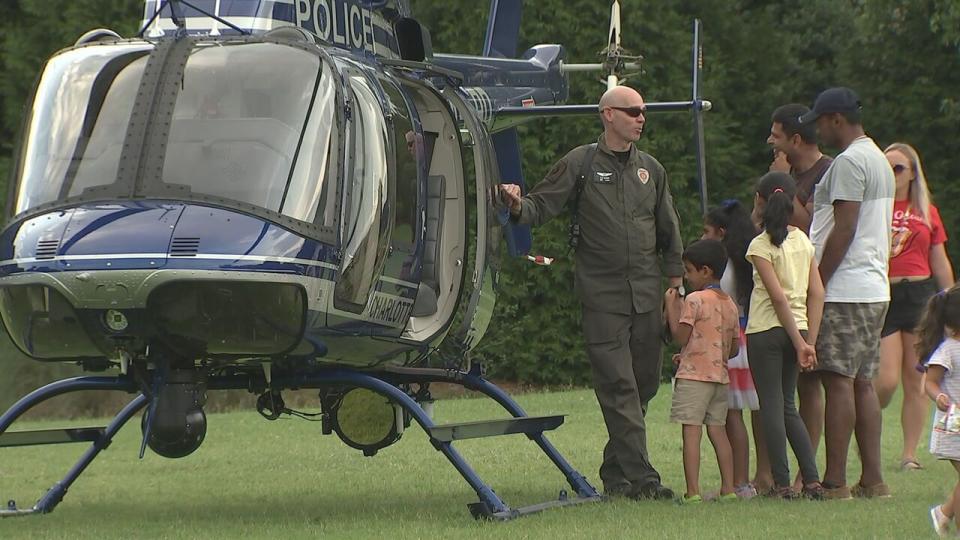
(939, 352)
(776, 190)
(731, 225)
(786, 307)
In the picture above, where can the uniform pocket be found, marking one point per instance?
(604, 195)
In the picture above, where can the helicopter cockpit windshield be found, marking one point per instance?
(253, 124)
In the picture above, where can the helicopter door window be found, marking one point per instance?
(76, 127)
(312, 187)
(408, 153)
(368, 225)
(238, 121)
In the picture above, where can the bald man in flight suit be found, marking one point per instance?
(627, 222)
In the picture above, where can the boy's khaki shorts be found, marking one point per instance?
(697, 403)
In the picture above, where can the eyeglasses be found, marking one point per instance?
(631, 111)
(897, 169)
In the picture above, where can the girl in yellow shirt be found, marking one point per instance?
(785, 310)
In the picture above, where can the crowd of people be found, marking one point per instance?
(834, 288)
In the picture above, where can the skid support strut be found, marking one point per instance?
(490, 506)
(99, 438)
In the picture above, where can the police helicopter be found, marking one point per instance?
(292, 194)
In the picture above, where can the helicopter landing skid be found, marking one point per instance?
(490, 506)
(100, 438)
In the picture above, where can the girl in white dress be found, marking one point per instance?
(730, 224)
(939, 351)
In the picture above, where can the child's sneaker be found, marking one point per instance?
(728, 497)
(745, 492)
(941, 523)
(691, 499)
(783, 492)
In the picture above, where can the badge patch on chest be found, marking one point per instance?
(643, 175)
(603, 177)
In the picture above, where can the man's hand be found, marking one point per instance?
(675, 282)
(671, 295)
(511, 197)
(672, 303)
(779, 163)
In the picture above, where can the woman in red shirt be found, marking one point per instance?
(919, 267)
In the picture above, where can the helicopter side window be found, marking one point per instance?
(77, 125)
(238, 120)
(369, 224)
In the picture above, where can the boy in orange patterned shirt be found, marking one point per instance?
(706, 325)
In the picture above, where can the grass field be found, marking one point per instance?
(260, 479)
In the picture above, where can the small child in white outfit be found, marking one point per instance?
(939, 348)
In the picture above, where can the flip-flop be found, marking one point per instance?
(910, 465)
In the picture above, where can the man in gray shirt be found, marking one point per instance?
(852, 212)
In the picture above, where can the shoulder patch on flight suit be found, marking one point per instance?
(603, 177)
(558, 169)
(643, 175)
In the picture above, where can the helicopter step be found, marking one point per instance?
(51, 436)
(529, 425)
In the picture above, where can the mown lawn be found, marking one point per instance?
(282, 479)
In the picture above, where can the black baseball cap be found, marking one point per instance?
(839, 99)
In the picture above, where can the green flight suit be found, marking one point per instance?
(624, 208)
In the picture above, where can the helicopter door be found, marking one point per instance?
(397, 289)
(478, 311)
(441, 234)
(370, 200)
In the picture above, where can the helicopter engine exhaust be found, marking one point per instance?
(178, 423)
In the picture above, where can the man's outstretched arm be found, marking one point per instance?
(547, 198)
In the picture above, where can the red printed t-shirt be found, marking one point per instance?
(912, 239)
(716, 324)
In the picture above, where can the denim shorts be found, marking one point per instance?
(908, 299)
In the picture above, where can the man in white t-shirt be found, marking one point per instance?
(852, 211)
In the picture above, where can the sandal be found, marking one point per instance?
(910, 465)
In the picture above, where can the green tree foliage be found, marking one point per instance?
(902, 56)
(31, 31)
(909, 85)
